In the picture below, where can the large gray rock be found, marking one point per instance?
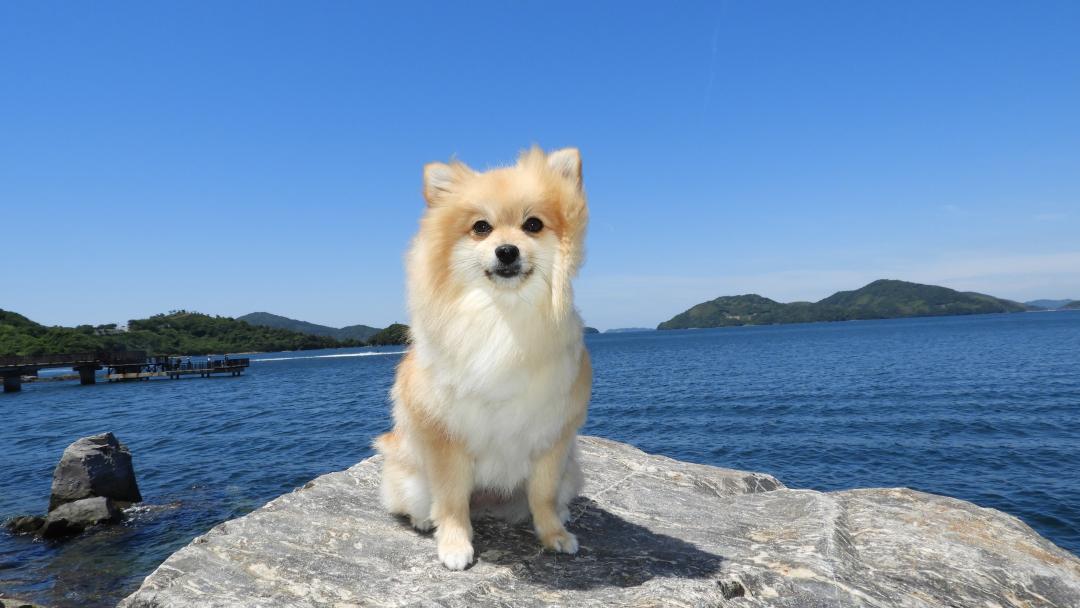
(653, 532)
(98, 465)
(73, 517)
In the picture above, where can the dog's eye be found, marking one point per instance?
(481, 227)
(533, 224)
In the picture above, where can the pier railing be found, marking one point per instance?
(130, 357)
(212, 365)
(120, 365)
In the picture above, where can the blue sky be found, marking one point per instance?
(234, 157)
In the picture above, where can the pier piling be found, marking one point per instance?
(12, 384)
(86, 374)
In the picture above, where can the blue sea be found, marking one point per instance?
(984, 408)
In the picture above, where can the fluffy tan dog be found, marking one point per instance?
(489, 398)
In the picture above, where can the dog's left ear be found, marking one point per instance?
(567, 163)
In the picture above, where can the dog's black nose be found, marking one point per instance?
(507, 254)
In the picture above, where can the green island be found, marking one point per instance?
(882, 299)
(176, 333)
(396, 333)
(352, 332)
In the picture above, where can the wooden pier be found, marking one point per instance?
(118, 366)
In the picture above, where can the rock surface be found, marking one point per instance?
(98, 465)
(653, 532)
(73, 517)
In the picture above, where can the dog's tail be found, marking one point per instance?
(386, 444)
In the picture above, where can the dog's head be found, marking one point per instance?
(508, 229)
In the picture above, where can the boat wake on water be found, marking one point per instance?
(396, 352)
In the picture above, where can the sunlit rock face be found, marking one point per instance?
(92, 483)
(98, 465)
(653, 532)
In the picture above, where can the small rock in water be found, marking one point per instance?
(98, 465)
(7, 602)
(25, 524)
(74, 517)
(92, 482)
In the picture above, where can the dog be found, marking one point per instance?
(488, 400)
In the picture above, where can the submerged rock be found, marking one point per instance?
(72, 518)
(98, 465)
(653, 532)
(25, 524)
(8, 602)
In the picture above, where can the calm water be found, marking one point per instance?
(983, 408)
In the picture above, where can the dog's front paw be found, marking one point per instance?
(560, 541)
(456, 555)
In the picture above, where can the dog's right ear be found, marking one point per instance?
(441, 180)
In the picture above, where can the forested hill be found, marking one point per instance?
(882, 299)
(176, 333)
(351, 332)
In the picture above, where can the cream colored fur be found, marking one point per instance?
(489, 398)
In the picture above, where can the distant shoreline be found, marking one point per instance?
(908, 318)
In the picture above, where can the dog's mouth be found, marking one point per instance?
(508, 272)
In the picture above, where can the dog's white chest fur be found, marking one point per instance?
(504, 386)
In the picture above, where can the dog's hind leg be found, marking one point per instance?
(403, 489)
(416, 497)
